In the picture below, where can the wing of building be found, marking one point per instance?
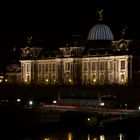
(101, 60)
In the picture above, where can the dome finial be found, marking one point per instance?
(100, 12)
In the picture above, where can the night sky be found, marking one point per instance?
(55, 22)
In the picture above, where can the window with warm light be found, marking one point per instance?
(28, 67)
(111, 65)
(39, 67)
(47, 67)
(122, 65)
(101, 65)
(93, 65)
(53, 67)
(85, 66)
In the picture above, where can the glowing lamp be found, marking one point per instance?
(70, 80)
(46, 139)
(30, 102)
(54, 101)
(102, 104)
(88, 119)
(94, 80)
(18, 100)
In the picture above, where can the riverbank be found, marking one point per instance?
(41, 92)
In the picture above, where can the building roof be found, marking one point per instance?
(100, 32)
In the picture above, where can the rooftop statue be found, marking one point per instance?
(29, 40)
(100, 12)
(123, 32)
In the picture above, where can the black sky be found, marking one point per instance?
(54, 22)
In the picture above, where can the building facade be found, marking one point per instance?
(101, 60)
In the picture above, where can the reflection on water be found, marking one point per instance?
(77, 134)
(73, 136)
(102, 137)
(121, 136)
(88, 137)
(80, 136)
(69, 136)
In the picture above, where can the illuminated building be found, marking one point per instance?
(101, 60)
(13, 73)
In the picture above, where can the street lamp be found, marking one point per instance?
(102, 104)
(18, 100)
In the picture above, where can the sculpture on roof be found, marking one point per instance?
(100, 12)
(123, 32)
(29, 40)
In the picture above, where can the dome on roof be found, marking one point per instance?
(100, 32)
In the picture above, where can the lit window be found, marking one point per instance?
(122, 65)
(102, 79)
(28, 67)
(39, 67)
(53, 67)
(93, 65)
(67, 66)
(54, 78)
(111, 65)
(85, 66)
(102, 66)
(46, 67)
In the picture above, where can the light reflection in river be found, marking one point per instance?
(73, 136)
(88, 137)
(121, 136)
(102, 137)
(69, 136)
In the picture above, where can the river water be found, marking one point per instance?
(69, 128)
(131, 133)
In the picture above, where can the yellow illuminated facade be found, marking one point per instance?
(91, 70)
(100, 60)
